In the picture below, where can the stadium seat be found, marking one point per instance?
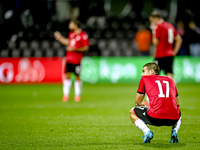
(105, 52)
(130, 34)
(112, 44)
(115, 25)
(108, 34)
(5, 53)
(126, 25)
(128, 52)
(45, 44)
(15, 52)
(123, 44)
(56, 44)
(101, 44)
(117, 53)
(120, 34)
(49, 52)
(41, 34)
(97, 34)
(11, 45)
(23, 44)
(38, 53)
(27, 52)
(60, 52)
(34, 44)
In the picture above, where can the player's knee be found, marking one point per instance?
(67, 75)
(77, 77)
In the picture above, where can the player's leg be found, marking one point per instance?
(77, 84)
(168, 67)
(174, 134)
(67, 83)
(66, 86)
(77, 88)
(138, 117)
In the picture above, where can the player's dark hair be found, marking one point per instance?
(155, 14)
(153, 66)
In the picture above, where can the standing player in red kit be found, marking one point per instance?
(77, 43)
(167, 42)
(164, 103)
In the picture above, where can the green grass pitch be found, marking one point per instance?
(34, 117)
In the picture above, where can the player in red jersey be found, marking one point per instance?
(167, 42)
(164, 103)
(77, 43)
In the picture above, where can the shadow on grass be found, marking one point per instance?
(155, 144)
(161, 144)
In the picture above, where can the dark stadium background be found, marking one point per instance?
(27, 26)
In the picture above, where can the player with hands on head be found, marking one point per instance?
(164, 103)
(77, 43)
(167, 42)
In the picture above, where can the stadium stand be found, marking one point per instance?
(115, 39)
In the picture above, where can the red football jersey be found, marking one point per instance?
(161, 91)
(165, 32)
(76, 41)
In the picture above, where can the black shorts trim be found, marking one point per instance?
(165, 63)
(75, 68)
(140, 92)
(142, 113)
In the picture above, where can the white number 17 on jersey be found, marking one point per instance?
(161, 94)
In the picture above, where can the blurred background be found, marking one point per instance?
(119, 35)
(27, 27)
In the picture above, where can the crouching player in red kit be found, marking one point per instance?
(164, 103)
(77, 43)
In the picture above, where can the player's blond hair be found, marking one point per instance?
(154, 66)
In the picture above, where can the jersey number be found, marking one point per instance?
(170, 36)
(161, 94)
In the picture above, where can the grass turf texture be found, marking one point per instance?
(34, 117)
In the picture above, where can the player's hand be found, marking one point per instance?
(153, 26)
(70, 48)
(57, 35)
(174, 53)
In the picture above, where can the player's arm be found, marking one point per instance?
(177, 101)
(139, 99)
(61, 39)
(177, 45)
(153, 28)
(155, 40)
